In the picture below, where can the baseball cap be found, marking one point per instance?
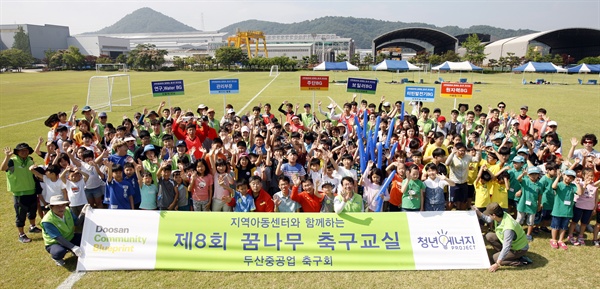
(129, 138)
(552, 123)
(518, 159)
(330, 106)
(230, 110)
(307, 105)
(523, 150)
(102, 114)
(441, 118)
(201, 106)
(210, 110)
(387, 103)
(489, 144)
(181, 143)
(295, 117)
(570, 173)
(525, 107)
(245, 129)
(86, 108)
(514, 121)
(533, 170)
(493, 209)
(498, 135)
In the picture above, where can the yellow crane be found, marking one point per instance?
(246, 38)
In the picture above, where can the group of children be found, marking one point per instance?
(193, 162)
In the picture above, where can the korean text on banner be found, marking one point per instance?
(419, 93)
(320, 83)
(361, 85)
(167, 88)
(224, 86)
(457, 90)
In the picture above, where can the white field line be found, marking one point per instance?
(135, 96)
(71, 280)
(252, 99)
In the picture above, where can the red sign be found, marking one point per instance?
(457, 90)
(314, 82)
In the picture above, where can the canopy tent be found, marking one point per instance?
(585, 68)
(335, 66)
(457, 66)
(539, 67)
(396, 65)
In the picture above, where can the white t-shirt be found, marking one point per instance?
(94, 180)
(50, 188)
(75, 192)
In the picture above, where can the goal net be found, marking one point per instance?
(107, 91)
(111, 67)
(274, 70)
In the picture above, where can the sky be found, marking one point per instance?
(93, 15)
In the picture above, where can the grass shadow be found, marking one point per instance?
(539, 261)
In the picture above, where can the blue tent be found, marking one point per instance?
(395, 65)
(460, 66)
(335, 66)
(585, 68)
(539, 67)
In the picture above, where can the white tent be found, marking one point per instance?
(345, 65)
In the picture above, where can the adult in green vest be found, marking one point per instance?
(58, 229)
(348, 201)
(509, 240)
(19, 181)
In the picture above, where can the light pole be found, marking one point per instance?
(323, 52)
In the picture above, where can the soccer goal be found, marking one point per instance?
(107, 91)
(274, 70)
(111, 67)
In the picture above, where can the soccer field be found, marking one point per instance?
(27, 99)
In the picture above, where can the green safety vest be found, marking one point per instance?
(20, 181)
(508, 223)
(354, 205)
(66, 227)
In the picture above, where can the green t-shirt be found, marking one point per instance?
(515, 185)
(548, 192)
(528, 203)
(427, 125)
(563, 200)
(411, 198)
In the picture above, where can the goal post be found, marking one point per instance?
(111, 67)
(274, 70)
(107, 91)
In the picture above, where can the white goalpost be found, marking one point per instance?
(121, 67)
(107, 91)
(274, 70)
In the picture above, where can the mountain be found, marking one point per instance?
(145, 20)
(362, 30)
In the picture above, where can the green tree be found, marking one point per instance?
(435, 59)
(590, 60)
(122, 58)
(533, 55)
(341, 57)
(512, 60)
(15, 58)
(475, 50)
(450, 55)
(421, 57)
(368, 60)
(146, 57)
(47, 56)
(178, 62)
(314, 59)
(355, 59)
(229, 55)
(381, 57)
(104, 59)
(72, 58)
(22, 41)
(493, 63)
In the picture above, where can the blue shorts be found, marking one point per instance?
(459, 193)
(581, 215)
(560, 223)
(95, 193)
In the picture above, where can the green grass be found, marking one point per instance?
(30, 96)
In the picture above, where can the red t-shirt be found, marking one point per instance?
(310, 202)
(263, 202)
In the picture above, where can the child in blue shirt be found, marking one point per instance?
(241, 201)
(119, 192)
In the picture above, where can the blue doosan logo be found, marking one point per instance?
(444, 240)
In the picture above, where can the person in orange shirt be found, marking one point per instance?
(309, 199)
(395, 187)
(262, 199)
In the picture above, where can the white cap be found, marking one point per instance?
(552, 123)
(387, 103)
(513, 122)
(129, 138)
(245, 129)
(330, 106)
(201, 106)
(230, 110)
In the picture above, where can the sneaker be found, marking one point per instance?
(60, 262)
(34, 229)
(24, 239)
(545, 229)
(530, 238)
(536, 230)
(562, 245)
(597, 243)
(574, 241)
(526, 260)
(553, 244)
(581, 241)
